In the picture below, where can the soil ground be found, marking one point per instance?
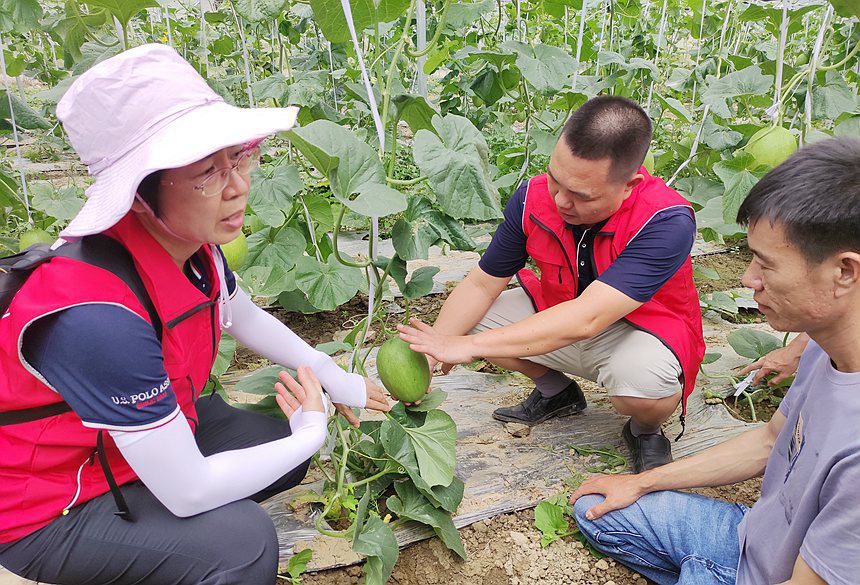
(506, 550)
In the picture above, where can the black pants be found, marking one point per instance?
(233, 544)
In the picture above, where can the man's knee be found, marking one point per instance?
(580, 507)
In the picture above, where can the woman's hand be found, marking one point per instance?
(448, 349)
(305, 393)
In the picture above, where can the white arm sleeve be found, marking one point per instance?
(265, 335)
(171, 466)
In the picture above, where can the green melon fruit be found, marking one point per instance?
(649, 162)
(404, 373)
(34, 236)
(772, 145)
(236, 252)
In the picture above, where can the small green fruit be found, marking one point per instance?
(34, 236)
(236, 252)
(772, 145)
(404, 373)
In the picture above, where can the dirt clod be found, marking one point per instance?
(518, 430)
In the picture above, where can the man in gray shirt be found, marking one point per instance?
(804, 232)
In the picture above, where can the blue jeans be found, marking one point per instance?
(669, 537)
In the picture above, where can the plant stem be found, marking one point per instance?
(367, 480)
(335, 249)
(431, 44)
(406, 182)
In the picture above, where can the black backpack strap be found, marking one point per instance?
(101, 251)
(107, 253)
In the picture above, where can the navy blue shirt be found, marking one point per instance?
(106, 362)
(642, 268)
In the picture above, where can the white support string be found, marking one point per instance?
(331, 70)
(169, 29)
(203, 42)
(245, 57)
(582, 14)
(380, 131)
(699, 52)
(773, 110)
(813, 63)
(693, 148)
(18, 157)
(421, 45)
(657, 56)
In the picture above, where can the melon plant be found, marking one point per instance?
(772, 145)
(404, 373)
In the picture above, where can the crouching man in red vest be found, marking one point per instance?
(614, 301)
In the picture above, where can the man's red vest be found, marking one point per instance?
(49, 466)
(672, 315)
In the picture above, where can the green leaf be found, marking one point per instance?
(549, 519)
(226, 351)
(351, 165)
(711, 217)
(421, 282)
(457, 168)
(435, 444)
(738, 179)
(705, 272)
(271, 198)
(431, 400)
(412, 504)
(260, 382)
(753, 344)
(272, 87)
(377, 542)
(833, 97)
(722, 301)
(488, 86)
(676, 107)
(256, 10)
(328, 285)
(62, 204)
(464, 14)
(699, 190)
(412, 240)
(711, 357)
(299, 562)
(25, 116)
(123, 10)
(399, 448)
(749, 81)
(19, 15)
(296, 301)
(846, 8)
(547, 69)
(848, 127)
(416, 111)
(273, 246)
(719, 137)
(328, 15)
(268, 281)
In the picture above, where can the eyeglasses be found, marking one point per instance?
(217, 180)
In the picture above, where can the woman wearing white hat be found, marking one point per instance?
(128, 475)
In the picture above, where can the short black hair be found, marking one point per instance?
(815, 196)
(148, 190)
(611, 127)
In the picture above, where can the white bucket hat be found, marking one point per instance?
(145, 110)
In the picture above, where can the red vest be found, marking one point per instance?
(49, 465)
(672, 315)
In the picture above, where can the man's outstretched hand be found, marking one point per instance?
(619, 490)
(448, 349)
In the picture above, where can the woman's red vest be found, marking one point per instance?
(49, 466)
(672, 315)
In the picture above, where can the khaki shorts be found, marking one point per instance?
(622, 359)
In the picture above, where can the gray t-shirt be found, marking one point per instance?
(810, 497)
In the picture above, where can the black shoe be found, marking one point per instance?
(535, 409)
(648, 450)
